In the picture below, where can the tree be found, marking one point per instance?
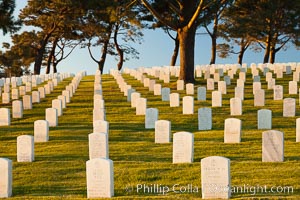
(7, 22)
(48, 17)
(214, 14)
(269, 22)
(185, 24)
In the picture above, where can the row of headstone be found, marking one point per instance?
(99, 168)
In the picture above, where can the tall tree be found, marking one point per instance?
(48, 16)
(7, 22)
(185, 24)
(214, 15)
(271, 23)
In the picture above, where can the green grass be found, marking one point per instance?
(58, 171)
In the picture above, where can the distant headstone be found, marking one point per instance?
(66, 93)
(5, 98)
(42, 92)
(259, 98)
(174, 100)
(204, 119)
(298, 130)
(52, 117)
(289, 107)
(232, 130)
(216, 99)
(57, 104)
(271, 83)
(188, 105)
(27, 102)
(201, 94)
(278, 92)
(165, 94)
(272, 146)
(6, 178)
(222, 87)
(134, 97)
(293, 87)
(240, 83)
(63, 100)
(141, 106)
(162, 131)
(100, 178)
(183, 147)
(15, 94)
(36, 97)
(210, 84)
(256, 86)
(99, 114)
(239, 92)
(151, 117)
(227, 80)
(157, 89)
(180, 85)
(4, 117)
(98, 145)
(236, 106)
(264, 119)
(17, 109)
(101, 126)
(189, 88)
(25, 148)
(215, 178)
(41, 131)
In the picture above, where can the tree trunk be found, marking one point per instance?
(272, 55)
(267, 50)
(51, 55)
(54, 67)
(241, 53)
(39, 59)
(213, 49)
(186, 38)
(119, 50)
(175, 52)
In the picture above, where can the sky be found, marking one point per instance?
(155, 50)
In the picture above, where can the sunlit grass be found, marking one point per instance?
(58, 171)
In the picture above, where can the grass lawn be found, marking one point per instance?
(58, 171)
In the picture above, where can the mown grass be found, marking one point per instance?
(58, 171)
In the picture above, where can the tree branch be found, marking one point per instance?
(158, 16)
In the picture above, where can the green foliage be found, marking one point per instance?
(7, 22)
(59, 167)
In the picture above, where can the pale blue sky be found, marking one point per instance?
(156, 50)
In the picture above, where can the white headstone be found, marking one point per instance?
(134, 97)
(100, 178)
(259, 98)
(174, 100)
(215, 178)
(236, 106)
(278, 92)
(157, 89)
(180, 85)
(63, 100)
(289, 107)
(201, 94)
(41, 131)
(17, 109)
(162, 131)
(183, 147)
(5, 98)
(232, 130)
(6, 178)
(298, 130)
(189, 88)
(141, 106)
(222, 87)
(66, 93)
(15, 94)
(27, 102)
(188, 105)
(42, 92)
(216, 99)
(25, 148)
(98, 145)
(272, 146)
(99, 114)
(36, 97)
(151, 117)
(57, 104)
(165, 94)
(4, 117)
(52, 117)
(100, 126)
(210, 84)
